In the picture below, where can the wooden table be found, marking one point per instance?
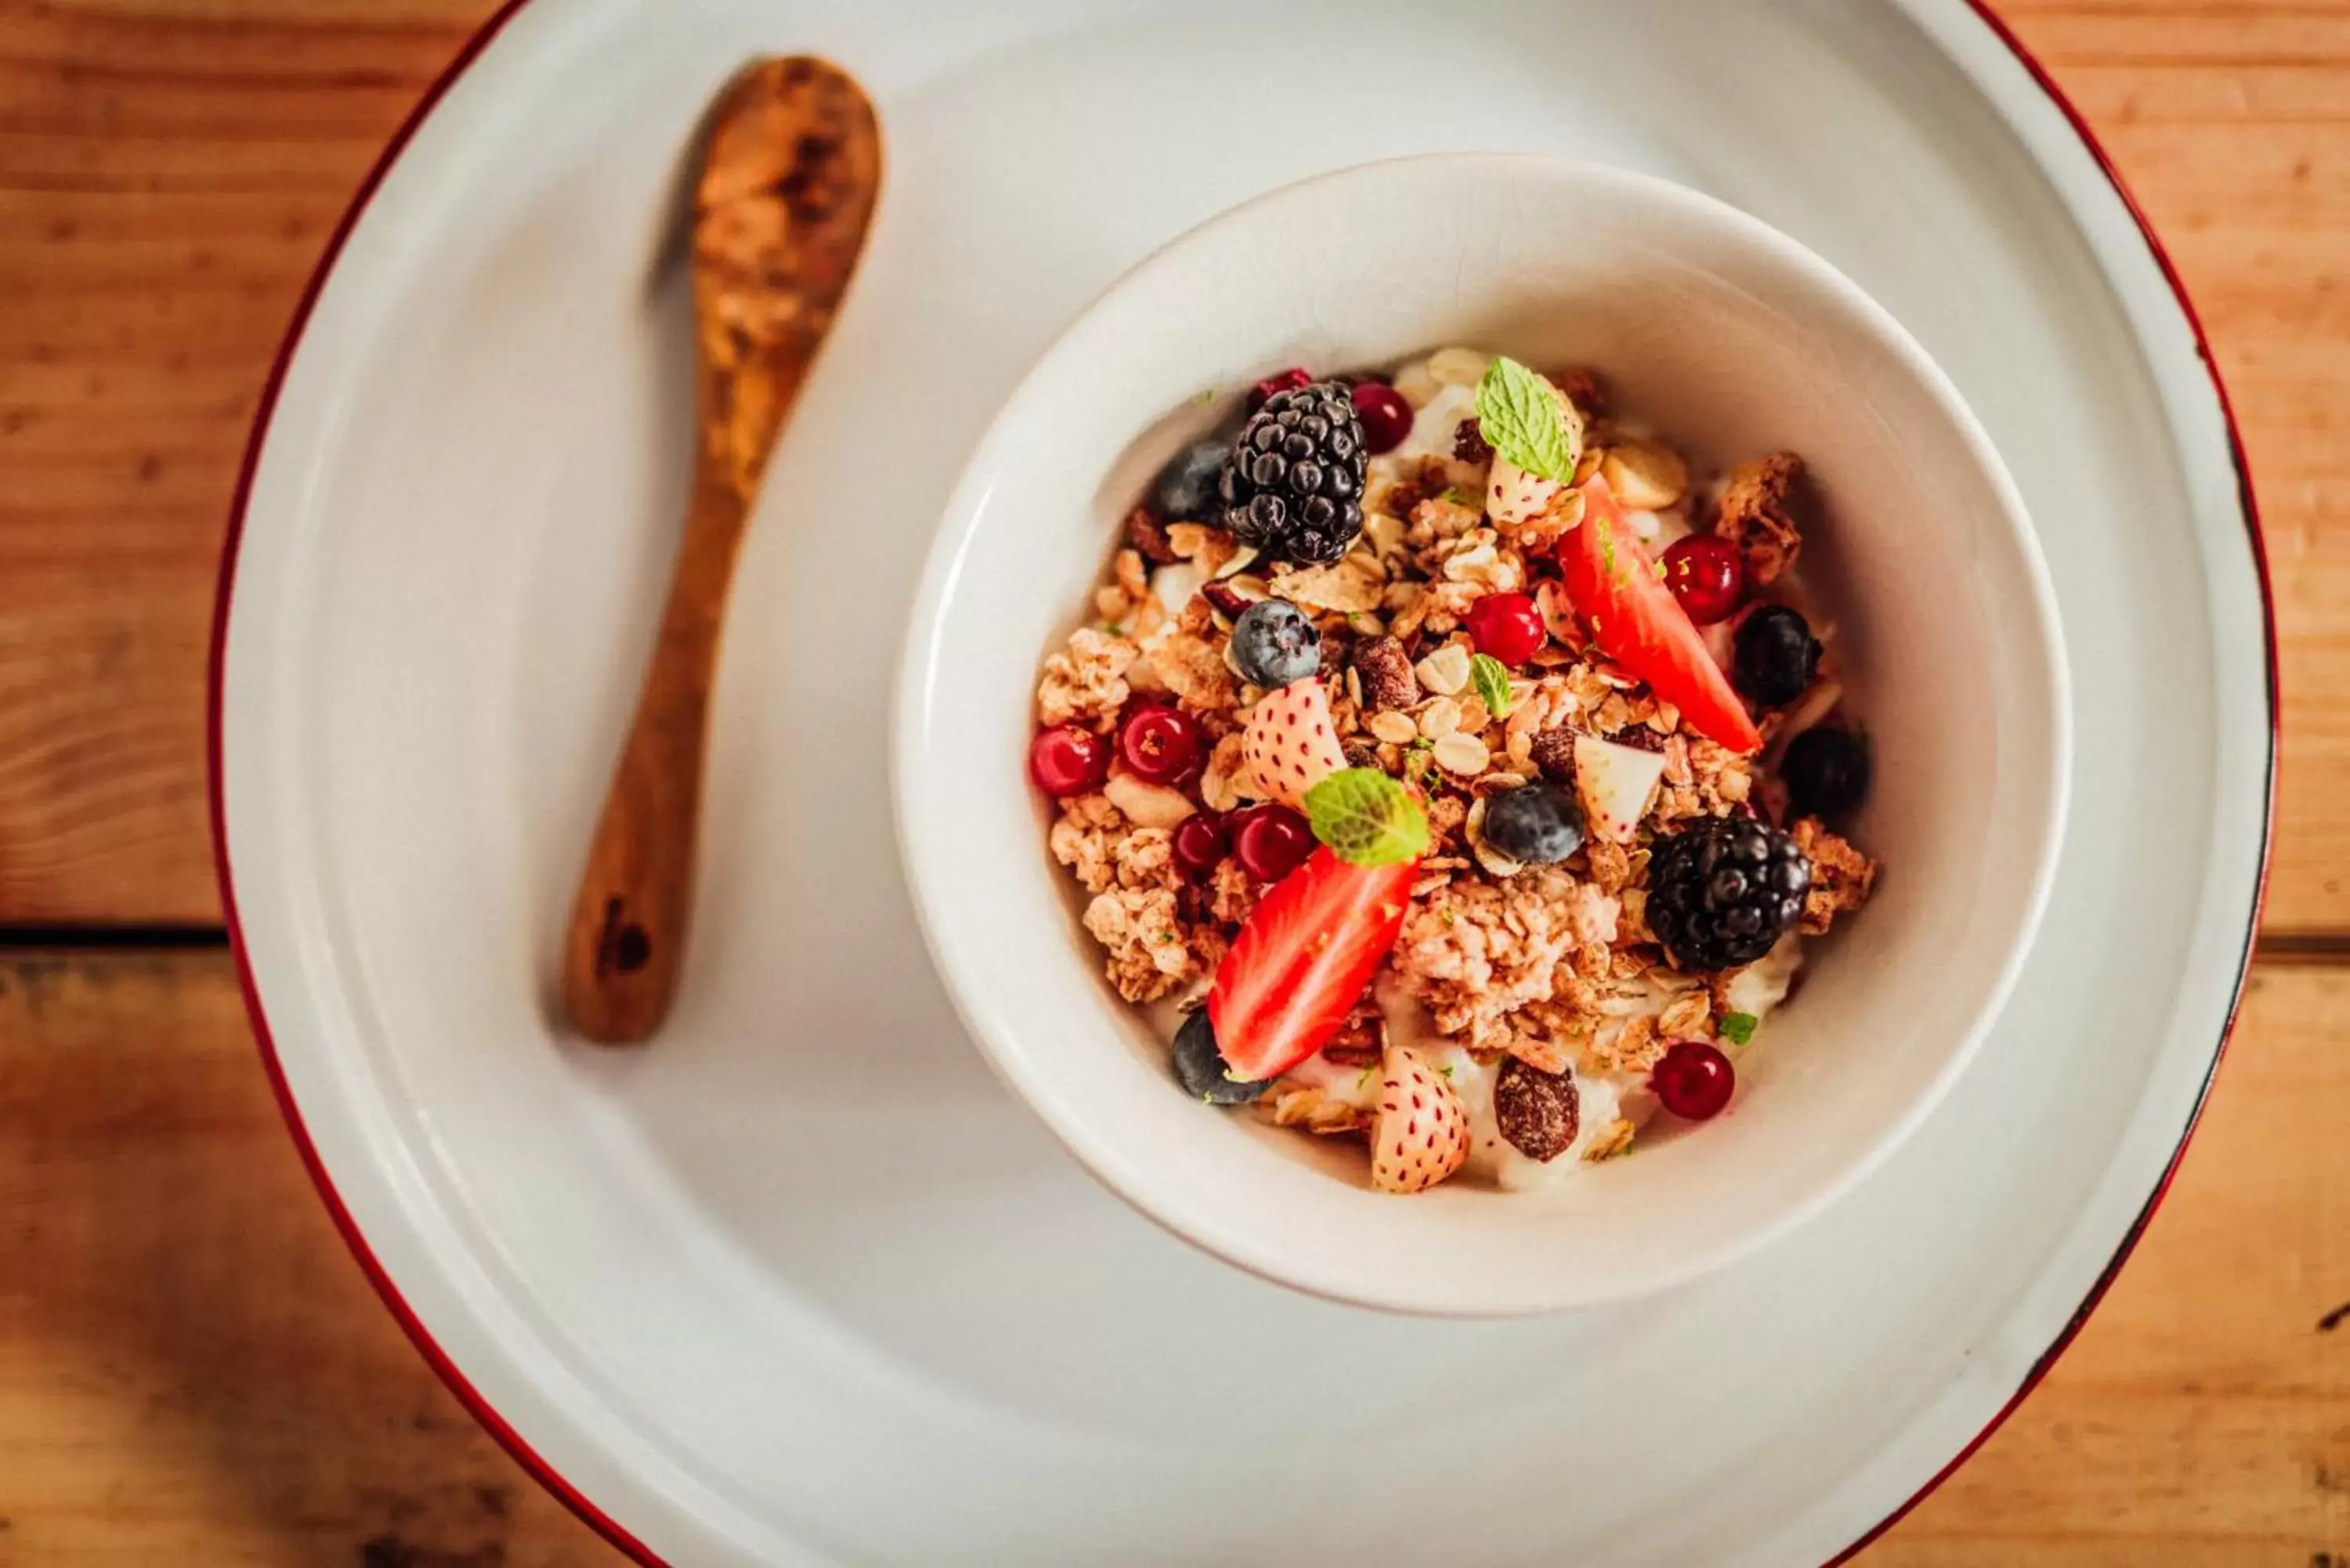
(192, 1370)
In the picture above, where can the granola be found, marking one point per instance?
(1558, 854)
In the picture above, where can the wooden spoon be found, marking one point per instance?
(789, 181)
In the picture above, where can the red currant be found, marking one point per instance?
(1507, 626)
(1160, 743)
(1200, 843)
(1693, 1080)
(1270, 841)
(1287, 380)
(1707, 575)
(1065, 760)
(1387, 417)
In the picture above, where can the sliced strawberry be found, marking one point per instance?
(1636, 621)
(1302, 960)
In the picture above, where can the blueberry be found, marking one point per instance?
(1827, 771)
(1200, 1068)
(1185, 490)
(1275, 644)
(1537, 823)
(1774, 656)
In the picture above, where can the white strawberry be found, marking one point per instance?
(1514, 496)
(1290, 744)
(1420, 1135)
(1613, 783)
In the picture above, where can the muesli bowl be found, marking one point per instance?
(1705, 324)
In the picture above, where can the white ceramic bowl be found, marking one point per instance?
(1736, 341)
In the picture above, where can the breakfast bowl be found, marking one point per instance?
(1705, 322)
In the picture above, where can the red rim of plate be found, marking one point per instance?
(513, 1441)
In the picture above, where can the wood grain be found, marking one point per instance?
(168, 174)
(169, 171)
(192, 1369)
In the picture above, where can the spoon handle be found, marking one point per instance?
(627, 939)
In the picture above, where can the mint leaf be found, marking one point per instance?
(1738, 1028)
(1519, 417)
(1365, 818)
(1492, 678)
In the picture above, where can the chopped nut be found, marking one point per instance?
(1458, 367)
(1193, 667)
(1446, 671)
(1291, 1104)
(1644, 476)
(1186, 541)
(1689, 1018)
(1147, 804)
(1345, 587)
(1417, 385)
(1243, 558)
(1614, 1139)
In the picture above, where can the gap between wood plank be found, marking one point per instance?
(2298, 949)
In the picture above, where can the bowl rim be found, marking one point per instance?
(1134, 1180)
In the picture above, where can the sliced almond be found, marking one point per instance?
(1242, 559)
(1458, 367)
(1644, 476)
(1147, 804)
(1418, 385)
(1445, 671)
(1490, 858)
(1396, 729)
(1439, 718)
(1463, 754)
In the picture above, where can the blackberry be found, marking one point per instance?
(1292, 486)
(1774, 656)
(1723, 890)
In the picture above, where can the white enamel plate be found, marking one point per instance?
(801, 1284)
